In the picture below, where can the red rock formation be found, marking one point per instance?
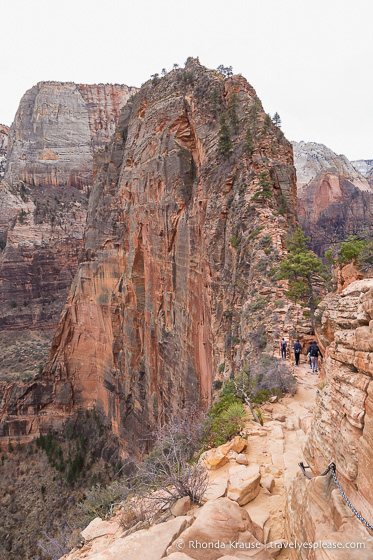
(334, 199)
(177, 260)
(44, 196)
(342, 429)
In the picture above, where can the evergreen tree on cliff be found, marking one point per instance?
(304, 270)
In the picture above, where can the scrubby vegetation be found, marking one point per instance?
(357, 249)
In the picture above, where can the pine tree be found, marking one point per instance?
(232, 111)
(225, 141)
(248, 144)
(276, 120)
(303, 269)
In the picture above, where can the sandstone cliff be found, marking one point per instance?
(4, 131)
(44, 196)
(177, 270)
(365, 167)
(342, 428)
(334, 199)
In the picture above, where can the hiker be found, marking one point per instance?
(313, 353)
(283, 348)
(297, 350)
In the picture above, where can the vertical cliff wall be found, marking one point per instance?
(342, 429)
(4, 131)
(334, 199)
(44, 195)
(177, 270)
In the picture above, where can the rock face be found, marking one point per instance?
(44, 195)
(342, 428)
(334, 198)
(365, 168)
(57, 129)
(177, 259)
(4, 131)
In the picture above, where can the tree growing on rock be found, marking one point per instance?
(304, 270)
(225, 140)
(276, 120)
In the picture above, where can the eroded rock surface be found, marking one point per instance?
(44, 195)
(342, 427)
(334, 198)
(177, 261)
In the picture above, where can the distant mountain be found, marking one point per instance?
(334, 198)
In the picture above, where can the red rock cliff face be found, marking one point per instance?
(169, 282)
(334, 199)
(342, 428)
(44, 196)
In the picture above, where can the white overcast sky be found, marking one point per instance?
(310, 60)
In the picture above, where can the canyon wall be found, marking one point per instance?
(342, 429)
(4, 131)
(365, 168)
(175, 286)
(334, 199)
(44, 195)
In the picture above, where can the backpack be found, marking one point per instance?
(297, 348)
(314, 352)
(283, 344)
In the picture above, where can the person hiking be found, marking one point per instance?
(314, 352)
(297, 350)
(283, 348)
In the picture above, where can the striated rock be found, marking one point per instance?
(44, 195)
(169, 268)
(4, 132)
(342, 426)
(57, 129)
(334, 199)
(220, 522)
(244, 485)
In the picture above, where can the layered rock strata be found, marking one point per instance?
(176, 280)
(334, 199)
(44, 195)
(342, 428)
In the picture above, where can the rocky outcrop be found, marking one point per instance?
(178, 259)
(4, 131)
(44, 195)
(365, 168)
(342, 428)
(57, 129)
(334, 199)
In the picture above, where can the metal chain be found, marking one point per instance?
(332, 468)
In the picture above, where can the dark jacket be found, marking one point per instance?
(297, 347)
(314, 350)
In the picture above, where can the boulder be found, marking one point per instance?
(241, 459)
(214, 459)
(279, 417)
(98, 527)
(238, 444)
(267, 482)
(244, 485)
(219, 523)
(181, 507)
(216, 489)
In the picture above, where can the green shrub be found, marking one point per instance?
(235, 414)
(350, 249)
(365, 258)
(234, 241)
(221, 367)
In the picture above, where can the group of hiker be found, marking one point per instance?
(313, 353)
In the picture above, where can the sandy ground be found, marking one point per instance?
(277, 448)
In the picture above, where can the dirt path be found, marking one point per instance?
(277, 448)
